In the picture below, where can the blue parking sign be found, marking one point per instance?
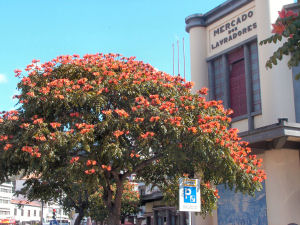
(190, 195)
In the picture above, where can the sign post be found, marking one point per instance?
(189, 196)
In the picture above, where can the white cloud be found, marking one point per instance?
(3, 78)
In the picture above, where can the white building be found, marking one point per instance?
(5, 198)
(24, 212)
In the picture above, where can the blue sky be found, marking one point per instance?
(45, 29)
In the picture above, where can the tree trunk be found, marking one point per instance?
(113, 219)
(115, 209)
(79, 217)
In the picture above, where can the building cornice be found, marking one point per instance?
(154, 196)
(203, 20)
(276, 136)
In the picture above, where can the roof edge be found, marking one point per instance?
(203, 20)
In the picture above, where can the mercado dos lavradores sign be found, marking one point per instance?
(232, 30)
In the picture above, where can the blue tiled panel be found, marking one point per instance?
(238, 209)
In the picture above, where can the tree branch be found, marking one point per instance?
(141, 166)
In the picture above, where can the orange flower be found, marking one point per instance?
(27, 149)
(118, 133)
(278, 28)
(31, 94)
(74, 159)
(153, 96)
(91, 171)
(75, 114)
(283, 13)
(42, 138)
(45, 90)
(7, 146)
(24, 125)
(38, 121)
(91, 162)
(154, 118)
(147, 134)
(82, 81)
(122, 112)
(17, 72)
(108, 168)
(59, 96)
(106, 112)
(216, 193)
(55, 125)
(83, 131)
(192, 129)
(185, 175)
(203, 91)
(13, 118)
(138, 119)
(207, 185)
(3, 138)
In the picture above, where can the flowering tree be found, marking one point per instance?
(98, 119)
(286, 26)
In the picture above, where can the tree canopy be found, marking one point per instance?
(98, 119)
(286, 29)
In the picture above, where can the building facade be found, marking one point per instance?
(25, 212)
(21, 211)
(227, 58)
(6, 194)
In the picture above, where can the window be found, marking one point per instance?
(34, 213)
(4, 211)
(28, 213)
(237, 82)
(15, 212)
(4, 201)
(234, 79)
(22, 212)
(219, 79)
(5, 190)
(255, 77)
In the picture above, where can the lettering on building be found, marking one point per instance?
(233, 29)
